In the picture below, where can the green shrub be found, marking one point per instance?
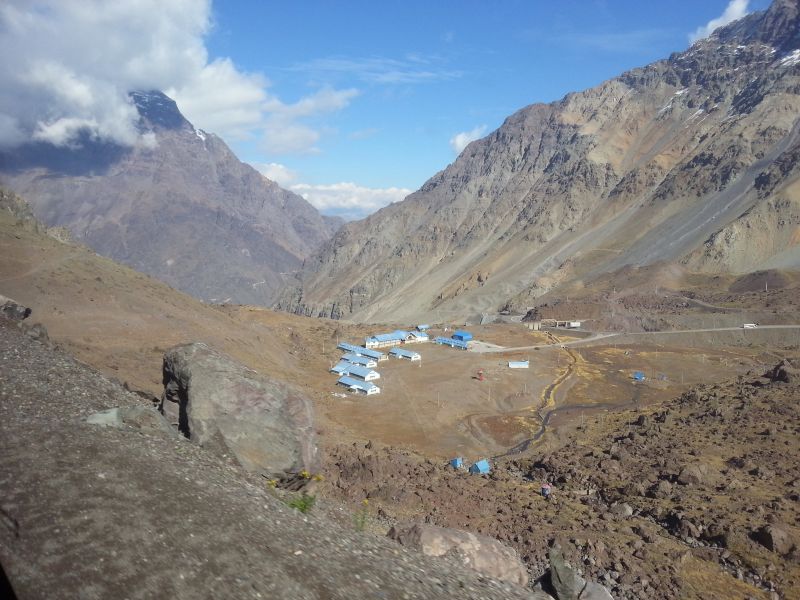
(303, 503)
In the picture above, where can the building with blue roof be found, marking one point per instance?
(364, 361)
(357, 385)
(451, 342)
(481, 467)
(361, 351)
(342, 368)
(407, 354)
(462, 336)
(364, 373)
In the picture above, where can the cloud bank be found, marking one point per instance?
(735, 10)
(348, 200)
(460, 140)
(66, 67)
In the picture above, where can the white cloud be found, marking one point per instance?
(378, 69)
(460, 140)
(66, 67)
(280, 174)
(736, 9)
(348, 200)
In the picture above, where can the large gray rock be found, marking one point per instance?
(229, 409)
(483, 554)
(775, 537)
(13, 310)
(568, 584)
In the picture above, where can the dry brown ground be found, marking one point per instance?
(121, 322)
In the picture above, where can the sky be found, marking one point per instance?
(351, 104)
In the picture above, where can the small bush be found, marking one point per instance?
(304, 503)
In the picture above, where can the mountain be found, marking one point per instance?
(186, 211)
(689, 162)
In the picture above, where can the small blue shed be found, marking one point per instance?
(457, 462)
(481, 467)
(638, 375)
(462, 336)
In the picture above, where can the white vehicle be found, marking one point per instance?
(749, 325)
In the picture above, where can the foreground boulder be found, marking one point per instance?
(229, 409)
(13, 310)
(483, 554)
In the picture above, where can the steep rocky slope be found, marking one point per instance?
(691, 160)
(186, 211)
(103, 512)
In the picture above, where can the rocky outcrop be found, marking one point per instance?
(186, 210)
(12, 310)
(229, 409)
(688, 160)
(481, 553)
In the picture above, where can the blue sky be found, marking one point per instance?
(351, 104)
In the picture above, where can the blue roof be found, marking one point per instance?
(423, 327)
(638, 375)
(342, 367)
(406, 353)
(390, 337)
(357, 383)
(358, 360)
(360, 350)
(462, 335)
(360, 371)
(451, 342)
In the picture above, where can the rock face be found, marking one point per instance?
(186, 211)
(481, 553)
(227, 408)
(691, 160)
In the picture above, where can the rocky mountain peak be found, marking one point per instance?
(158, 110)
(777, 27)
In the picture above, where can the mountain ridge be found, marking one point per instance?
(650, 166)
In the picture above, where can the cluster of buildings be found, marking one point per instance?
(357, 367)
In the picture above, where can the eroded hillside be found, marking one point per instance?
(690, 160)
